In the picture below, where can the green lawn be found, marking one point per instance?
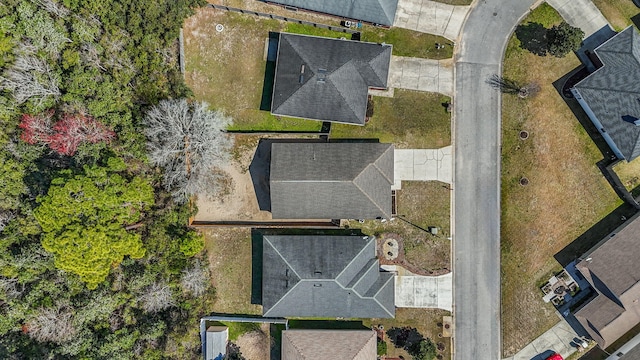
(411, 119)
(405, 42)
(618, 12)
(566, 194)
(629, 174)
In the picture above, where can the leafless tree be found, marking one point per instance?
(53, 7)
(156, 297)
(195, 280)
(5, 218)
(30, 78)
(188, 141)
(508, 86)
(52, 325)
(11, 288)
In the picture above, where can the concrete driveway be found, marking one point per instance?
(422, 165)
(557, 339)
(432, 292)
(421, 74)
(580, 13)
(430, 17)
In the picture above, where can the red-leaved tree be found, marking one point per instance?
(65, 135)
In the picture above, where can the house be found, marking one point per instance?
(378, 12)
(329, 344)
(613, 270)
(327, 79)
(611, 96)
(326, 276)
(216, 342)
(331, 180)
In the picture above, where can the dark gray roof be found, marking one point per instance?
(613, 270)
(331, 180)
(374, 11)
(336, 78)
(612, 92)
(324, 276)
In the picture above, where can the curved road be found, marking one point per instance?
(476, 246)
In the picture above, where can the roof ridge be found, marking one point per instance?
(297, 348)
(375, 296)
(344, 99)
(366, 193)
(371, 238)
(281, 298)
(375, 163)
(373, 335)
(283, 258)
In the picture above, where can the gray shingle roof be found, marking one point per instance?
(335, 81)
(329, 344)
(612, 269)
(612, 92)
(374, 11)
(331, 180)
(324, 276)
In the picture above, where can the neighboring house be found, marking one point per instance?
(216, 342)
(379, 12)
(325, 276)
(329, 344)
(611, 96)
(327, 79)
(331, 180)
(613, 270)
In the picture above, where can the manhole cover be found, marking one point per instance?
(524, 181)
(524, 135)
(219, 27)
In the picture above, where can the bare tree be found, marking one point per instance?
(188, 141)
(5, 218)
(52, 324)
(508, 86)
(156, 297)
(30, 78)
(195, 280)
(52, 7)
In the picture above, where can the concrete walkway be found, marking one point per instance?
(422, 165)
(430, 17)
(416, 291)
(421, 74)
(580, 13)
(557, 339)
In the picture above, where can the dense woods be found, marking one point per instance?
(96, 259)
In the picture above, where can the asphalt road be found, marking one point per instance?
(476, 245)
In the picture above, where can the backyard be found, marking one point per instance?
(565, 194)
(629, 174)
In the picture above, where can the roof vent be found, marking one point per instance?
(321, 76)
(301, 78)
(636, 122)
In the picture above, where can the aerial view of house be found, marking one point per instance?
(610, 95)
(342, 180)
(327, 79)
(331, 344)
(372, 11)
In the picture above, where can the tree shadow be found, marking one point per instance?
(533, 38)
(636, 18)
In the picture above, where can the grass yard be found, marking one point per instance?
(411, 119)
(566, 194)
(426, 321)
(629, 174)
(618, 12)
(421, 204)
(229, 251)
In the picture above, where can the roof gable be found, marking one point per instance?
(329, 344)
(375, 11)
(612, 93)
(318, 293)
(331, 180)
(327, 79)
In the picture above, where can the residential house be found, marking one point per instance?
(329, 344)
(611, 96)
(379, 12)
(613, 270)
(327, 79)
(326, 276)
(331, 180)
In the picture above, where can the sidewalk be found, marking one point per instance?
(580, 13)
(557, 339)
(431, 17)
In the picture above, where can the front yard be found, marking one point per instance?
(565, 196)
(619, 13)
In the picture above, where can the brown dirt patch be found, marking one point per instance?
(255, 345)
(401, 259)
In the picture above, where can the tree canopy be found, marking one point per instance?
(563, 38)
(84, 218)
